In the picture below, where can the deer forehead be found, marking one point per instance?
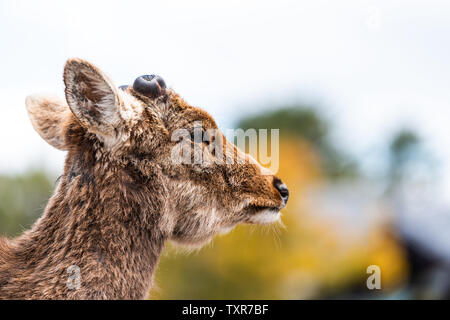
(131, 108)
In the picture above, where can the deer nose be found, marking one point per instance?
(282, 189)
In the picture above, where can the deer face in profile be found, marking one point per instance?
(143, 134)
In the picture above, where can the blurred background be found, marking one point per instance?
(359, 91)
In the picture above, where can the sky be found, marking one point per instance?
(372, 67)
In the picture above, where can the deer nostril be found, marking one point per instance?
(282, 189)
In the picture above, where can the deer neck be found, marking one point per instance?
(98, 238)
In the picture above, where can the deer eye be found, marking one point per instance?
(208, 137)
(197, 135)
(201, 136)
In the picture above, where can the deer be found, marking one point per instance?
(121, 195)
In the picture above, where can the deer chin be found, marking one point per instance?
(266, 216)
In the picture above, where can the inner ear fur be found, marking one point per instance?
(91, 96)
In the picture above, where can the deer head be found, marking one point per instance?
(140, 133)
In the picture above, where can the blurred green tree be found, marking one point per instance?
(308, 124)
(403, 148)
(22, 200)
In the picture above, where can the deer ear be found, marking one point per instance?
(47, 115)
(91, 96)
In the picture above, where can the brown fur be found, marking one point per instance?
(120, 196)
